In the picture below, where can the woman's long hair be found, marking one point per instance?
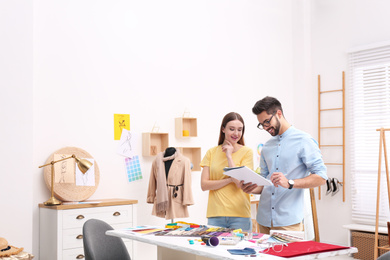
(227, 118)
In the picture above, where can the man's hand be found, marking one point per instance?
(278, 179)
(248, 187)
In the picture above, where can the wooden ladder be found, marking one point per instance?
(342, 110)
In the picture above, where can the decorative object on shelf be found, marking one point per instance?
(155, 128)
(186, 113)
(154, 143)
(153, 150)
(186, 127)
(186, 133)
(70, 191)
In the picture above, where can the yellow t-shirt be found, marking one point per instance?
(228, 201)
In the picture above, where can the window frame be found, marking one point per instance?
(369, 109)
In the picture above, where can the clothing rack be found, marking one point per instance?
(382, 142)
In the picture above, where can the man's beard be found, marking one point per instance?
(276, 128)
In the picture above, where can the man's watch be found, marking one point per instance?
(291, 183)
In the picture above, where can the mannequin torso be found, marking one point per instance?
(168, 152)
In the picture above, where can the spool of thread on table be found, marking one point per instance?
(210, 241)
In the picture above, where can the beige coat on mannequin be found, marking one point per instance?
(162, 190)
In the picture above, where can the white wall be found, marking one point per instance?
(152, 60)
(337, 26)
(16, 134)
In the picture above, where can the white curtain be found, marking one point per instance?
(369, 109)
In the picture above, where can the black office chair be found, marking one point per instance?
(385, 256)
(99, 246)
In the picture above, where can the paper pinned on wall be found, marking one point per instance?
(126, 144)
(64, 170)
(133, 168)
(88, 178)
(121, 121)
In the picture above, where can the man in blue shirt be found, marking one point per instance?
(292, 160)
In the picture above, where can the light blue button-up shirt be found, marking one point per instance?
(295, 154)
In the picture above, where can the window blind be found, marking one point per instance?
(369, 109)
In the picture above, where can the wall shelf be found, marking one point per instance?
(186, 127)
(194, 154)
(154, 143)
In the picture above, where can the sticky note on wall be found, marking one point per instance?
(121, 121)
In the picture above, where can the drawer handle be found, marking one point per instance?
(79, 237)
(80, 217)
(116, 213)
(80, 257)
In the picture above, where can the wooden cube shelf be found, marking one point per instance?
(186, 127)
(192, 153)
(154, 143)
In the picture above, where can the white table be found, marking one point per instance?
(170, 247)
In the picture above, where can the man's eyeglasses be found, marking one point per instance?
(266, 123)
(275, 247)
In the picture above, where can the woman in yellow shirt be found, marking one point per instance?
(228, 205)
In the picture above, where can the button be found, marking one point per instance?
(277, 168)
(277, 155)
(273, 208)
(273, 193)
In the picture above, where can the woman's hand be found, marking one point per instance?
(227, 148)
(207, 184)
(237, 182)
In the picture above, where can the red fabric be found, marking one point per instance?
(304, 248)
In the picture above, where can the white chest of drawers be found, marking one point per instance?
(60, 227)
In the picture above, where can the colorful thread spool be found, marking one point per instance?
(210, 241)
(240, 235)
